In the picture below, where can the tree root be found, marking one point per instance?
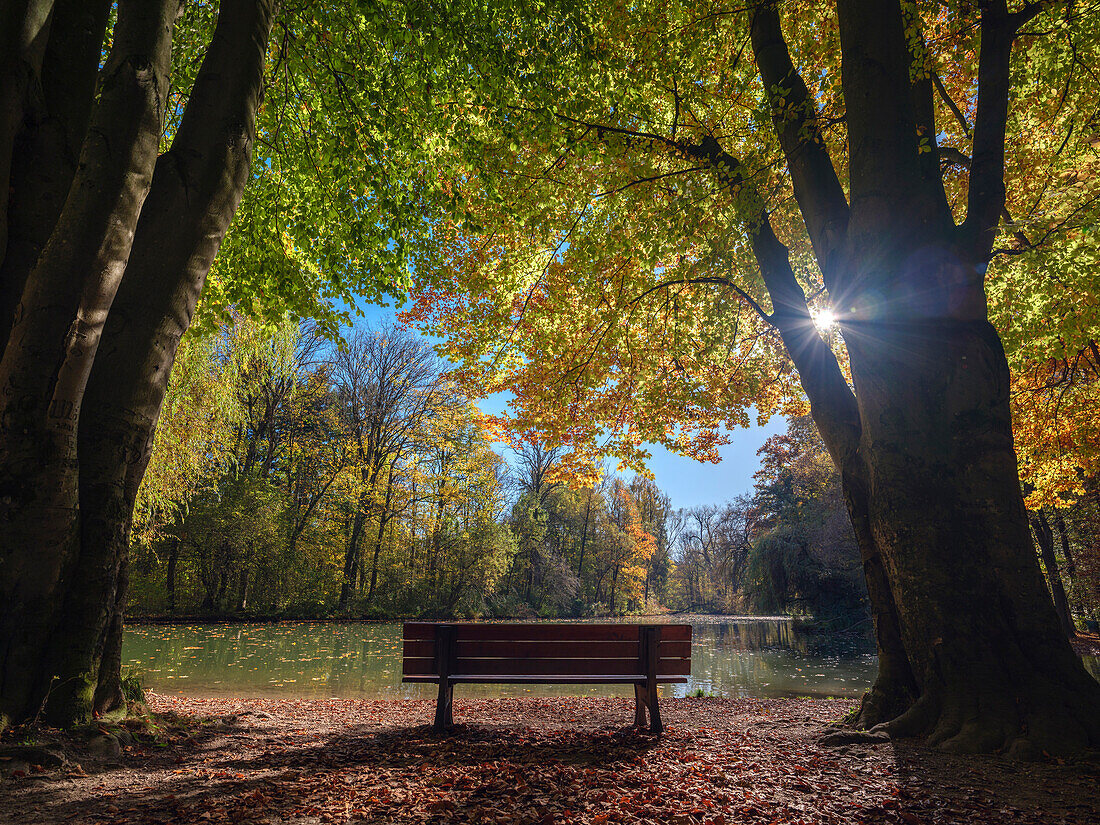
(988, 722)
(841, 737)
(883, 702)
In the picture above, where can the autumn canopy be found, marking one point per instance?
(629, 216)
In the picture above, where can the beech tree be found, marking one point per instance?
(681, 234)
(107, 248)
(120, 182)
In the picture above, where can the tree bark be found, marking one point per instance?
(108, 397)
(24, 30)
(43, 374)
(990, 659)
(46, 148)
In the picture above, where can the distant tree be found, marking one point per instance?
(803, 555)
(389, 384)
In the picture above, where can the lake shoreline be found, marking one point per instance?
(753, 656)
(531, 762)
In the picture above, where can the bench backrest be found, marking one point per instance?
(546, 649)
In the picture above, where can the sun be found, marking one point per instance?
(824, 319)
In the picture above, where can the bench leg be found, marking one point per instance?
(655, 725)
(443, 704)
(639, 704)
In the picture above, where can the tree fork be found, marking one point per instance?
(46, 149)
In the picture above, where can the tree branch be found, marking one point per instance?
(955, 110)
(832, 402)
(986, 190)
(708, 280)
(817, 188)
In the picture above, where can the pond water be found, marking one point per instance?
(730, 656)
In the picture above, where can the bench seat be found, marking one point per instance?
(451, 653)
(549, 680)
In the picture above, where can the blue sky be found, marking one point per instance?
(690, 483)
(687, 482)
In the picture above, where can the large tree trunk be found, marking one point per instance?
(924, 443)
(196, 188)
(44, 371)
(836, 413)
(990, 659)
(62, 619)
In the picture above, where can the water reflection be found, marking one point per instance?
(731, 657)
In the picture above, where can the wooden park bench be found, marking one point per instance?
(641, 655)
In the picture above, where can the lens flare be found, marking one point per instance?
(824, 319)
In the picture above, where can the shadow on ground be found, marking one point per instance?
(539, 761)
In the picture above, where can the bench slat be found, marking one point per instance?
(547, 650)
(546, 667)
(418, 648)
(418, 667)
(414, 631)
(556, 650)
(427, 666)
(674, 650)
(411, 631)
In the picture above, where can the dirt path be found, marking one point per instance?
(537, 762)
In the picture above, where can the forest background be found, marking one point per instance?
(296, 475)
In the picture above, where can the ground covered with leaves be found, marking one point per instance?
(524, 761)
